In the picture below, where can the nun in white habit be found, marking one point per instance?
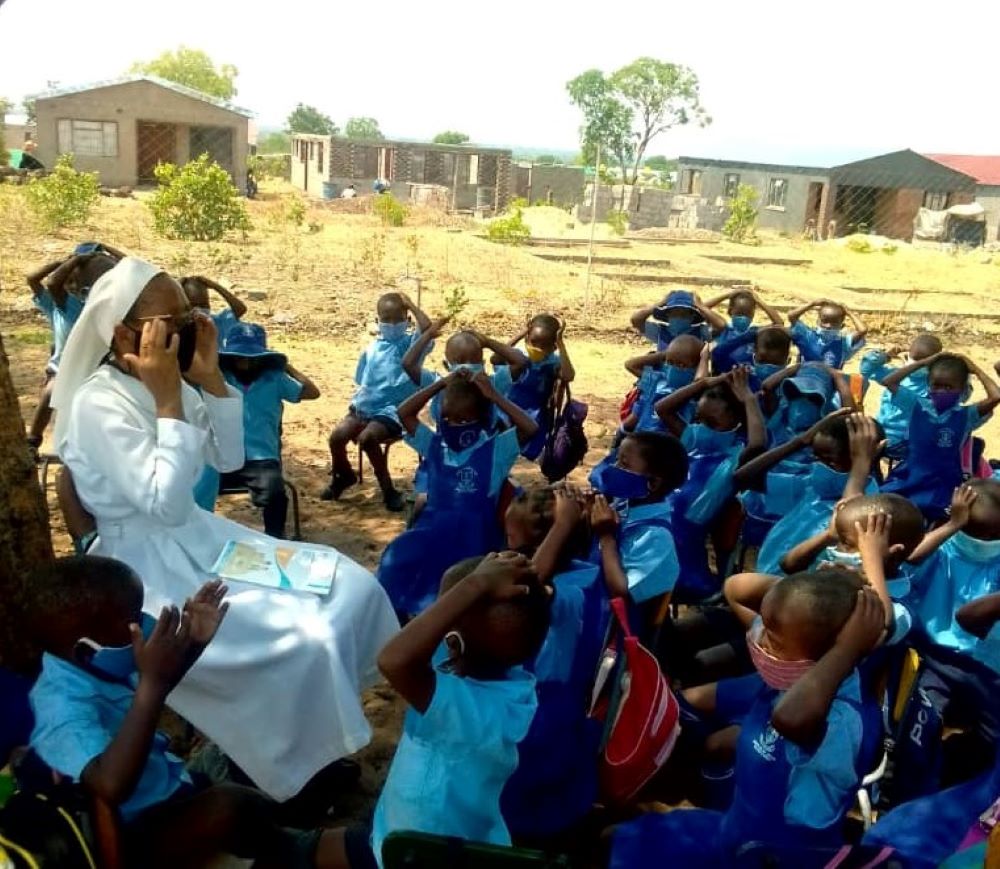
(278, 688)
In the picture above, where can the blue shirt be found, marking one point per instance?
(500, 378)
(659, 333)
(262, 409)
(506, 449)
(733, 348)
(77, 716)
(224, 321)
(382, 383)
(907, 401)
(813, 347)
(453, 761)
(647, 551)
(894, 418)
(61, 320)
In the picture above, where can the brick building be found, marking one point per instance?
(986, 171)
(542, 184)
(474, 177)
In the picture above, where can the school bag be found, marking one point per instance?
(640, 713)
(566, 444)
(628, 402)
(39, 832)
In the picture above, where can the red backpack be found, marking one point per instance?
(640, 713)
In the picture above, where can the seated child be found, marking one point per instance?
(827, 342)
(630, 520)
(734, 344)
(106, 672)
(680, 313)
(772, 349)
(467, 466)
(548, 365)
(382, 384)
(660, 374)
(938, 425)
(458, 666)
(875, 366)
(60, 290)
(196, 289)
(728, 429)
(267, 380)
(805, 740)
(846, 450)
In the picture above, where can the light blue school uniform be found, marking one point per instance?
(647, 551)
(500, 378)
(733, 347)
(382, 384)
(453, 761)
(655, 383)
(224, 321)
(893, 417)
(962, 570)
(61, 321)
(661, 335)
(263, 400)
(831, 347)
(506, 449)
(76, 718)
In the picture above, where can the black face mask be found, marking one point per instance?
(187, 341)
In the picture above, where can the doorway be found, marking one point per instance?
(155, 143)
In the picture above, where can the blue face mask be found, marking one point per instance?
(679, 325)
(838, 558)
(461, 436)
(740, 323)
(802, 414)
(677, 377)
(392, 331)
(827, 483)
(763, 370)
(699, 438)
(614, 482)
(116, 662)
(474, 367)
(974, 549)
(827, 335)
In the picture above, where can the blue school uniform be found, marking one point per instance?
(382, 384)
(263, 407)
(832, 347)
(61, 321)
(932, 468)
(459, 520)
(661, 334)
(453, 760)
(76, 718)
(647, 551)
(555, 783)
(224, 321)
(532, 392)
(894, 417)
(655, 384)
(787, 797)
(734, 348)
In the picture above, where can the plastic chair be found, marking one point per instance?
(407, 850)
(293, 496)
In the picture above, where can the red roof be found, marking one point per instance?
(986, 170)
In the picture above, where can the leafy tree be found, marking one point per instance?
(450, 137)
(659, 163)
(362, 128)
(741, 224)
(64, 197)
(546, 160)
(274, 143)
(192, 68)
(29, 109)
(309, 119)
(626, 110)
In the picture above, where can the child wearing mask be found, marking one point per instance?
(938, 426)
(680, 313)
(734, 344)
(772, 348)
(806, 736)
(196, 289)
(826, 342)
(381, 385)
(660, 374)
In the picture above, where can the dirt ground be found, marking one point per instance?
(319, 281)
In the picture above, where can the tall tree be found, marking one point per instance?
(626, 110)
(24, 520)
(362, 128)
(309, 119)
(28, 104)
(450, 137)
(660, 163)
(275, 142)
(192, 68)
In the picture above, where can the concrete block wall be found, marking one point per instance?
(989, 198)
(649, 207)
(557, 185)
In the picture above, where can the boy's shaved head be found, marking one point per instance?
(814, 606)
(685, 350)
(923, 345)
(907, 520)
(390, 308)
(463, 348)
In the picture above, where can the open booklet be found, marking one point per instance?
(278, 565)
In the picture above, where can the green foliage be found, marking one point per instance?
(741, 224)
(64, 197)
(546, 160)
(389, 210)
(270, 166)
(197, 202)
(659, 163)
(859, 244)
(309, 119)
(450, 137)
(455, 301)
(194, 69)
(518, 203)
(28, 104)
(372, 256)
(889, 249)
(509, 229)
(362, 128)
(618, 221)
(607, 122)
(274, 143)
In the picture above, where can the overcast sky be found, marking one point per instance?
(812, 83)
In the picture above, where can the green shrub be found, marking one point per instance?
(390, 210)
(270, 166)
(455, 301)
(4, 153)
(741, 225)
(197, 202)
(510, 229)
(618, 221)
(65, 196)
(889, 249)
(518, 202)
(859, 244)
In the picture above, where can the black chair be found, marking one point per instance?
(293, 496)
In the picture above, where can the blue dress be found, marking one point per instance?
(829, 346)
(459, 521)
(653, 386)
(733, 348)
(532, 392)
(555, 783)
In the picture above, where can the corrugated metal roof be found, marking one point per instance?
(900, 170)
(985, 169)
(162, 82)
(775, 168)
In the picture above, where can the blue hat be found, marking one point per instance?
(676, 299)
(811, 380)
(249, 340)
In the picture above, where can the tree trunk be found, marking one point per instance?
(25, 541)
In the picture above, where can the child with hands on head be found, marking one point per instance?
(662, 373)
(196, 289)
(467, 464)
(680, 313)
(734, 345)
(827, 342)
